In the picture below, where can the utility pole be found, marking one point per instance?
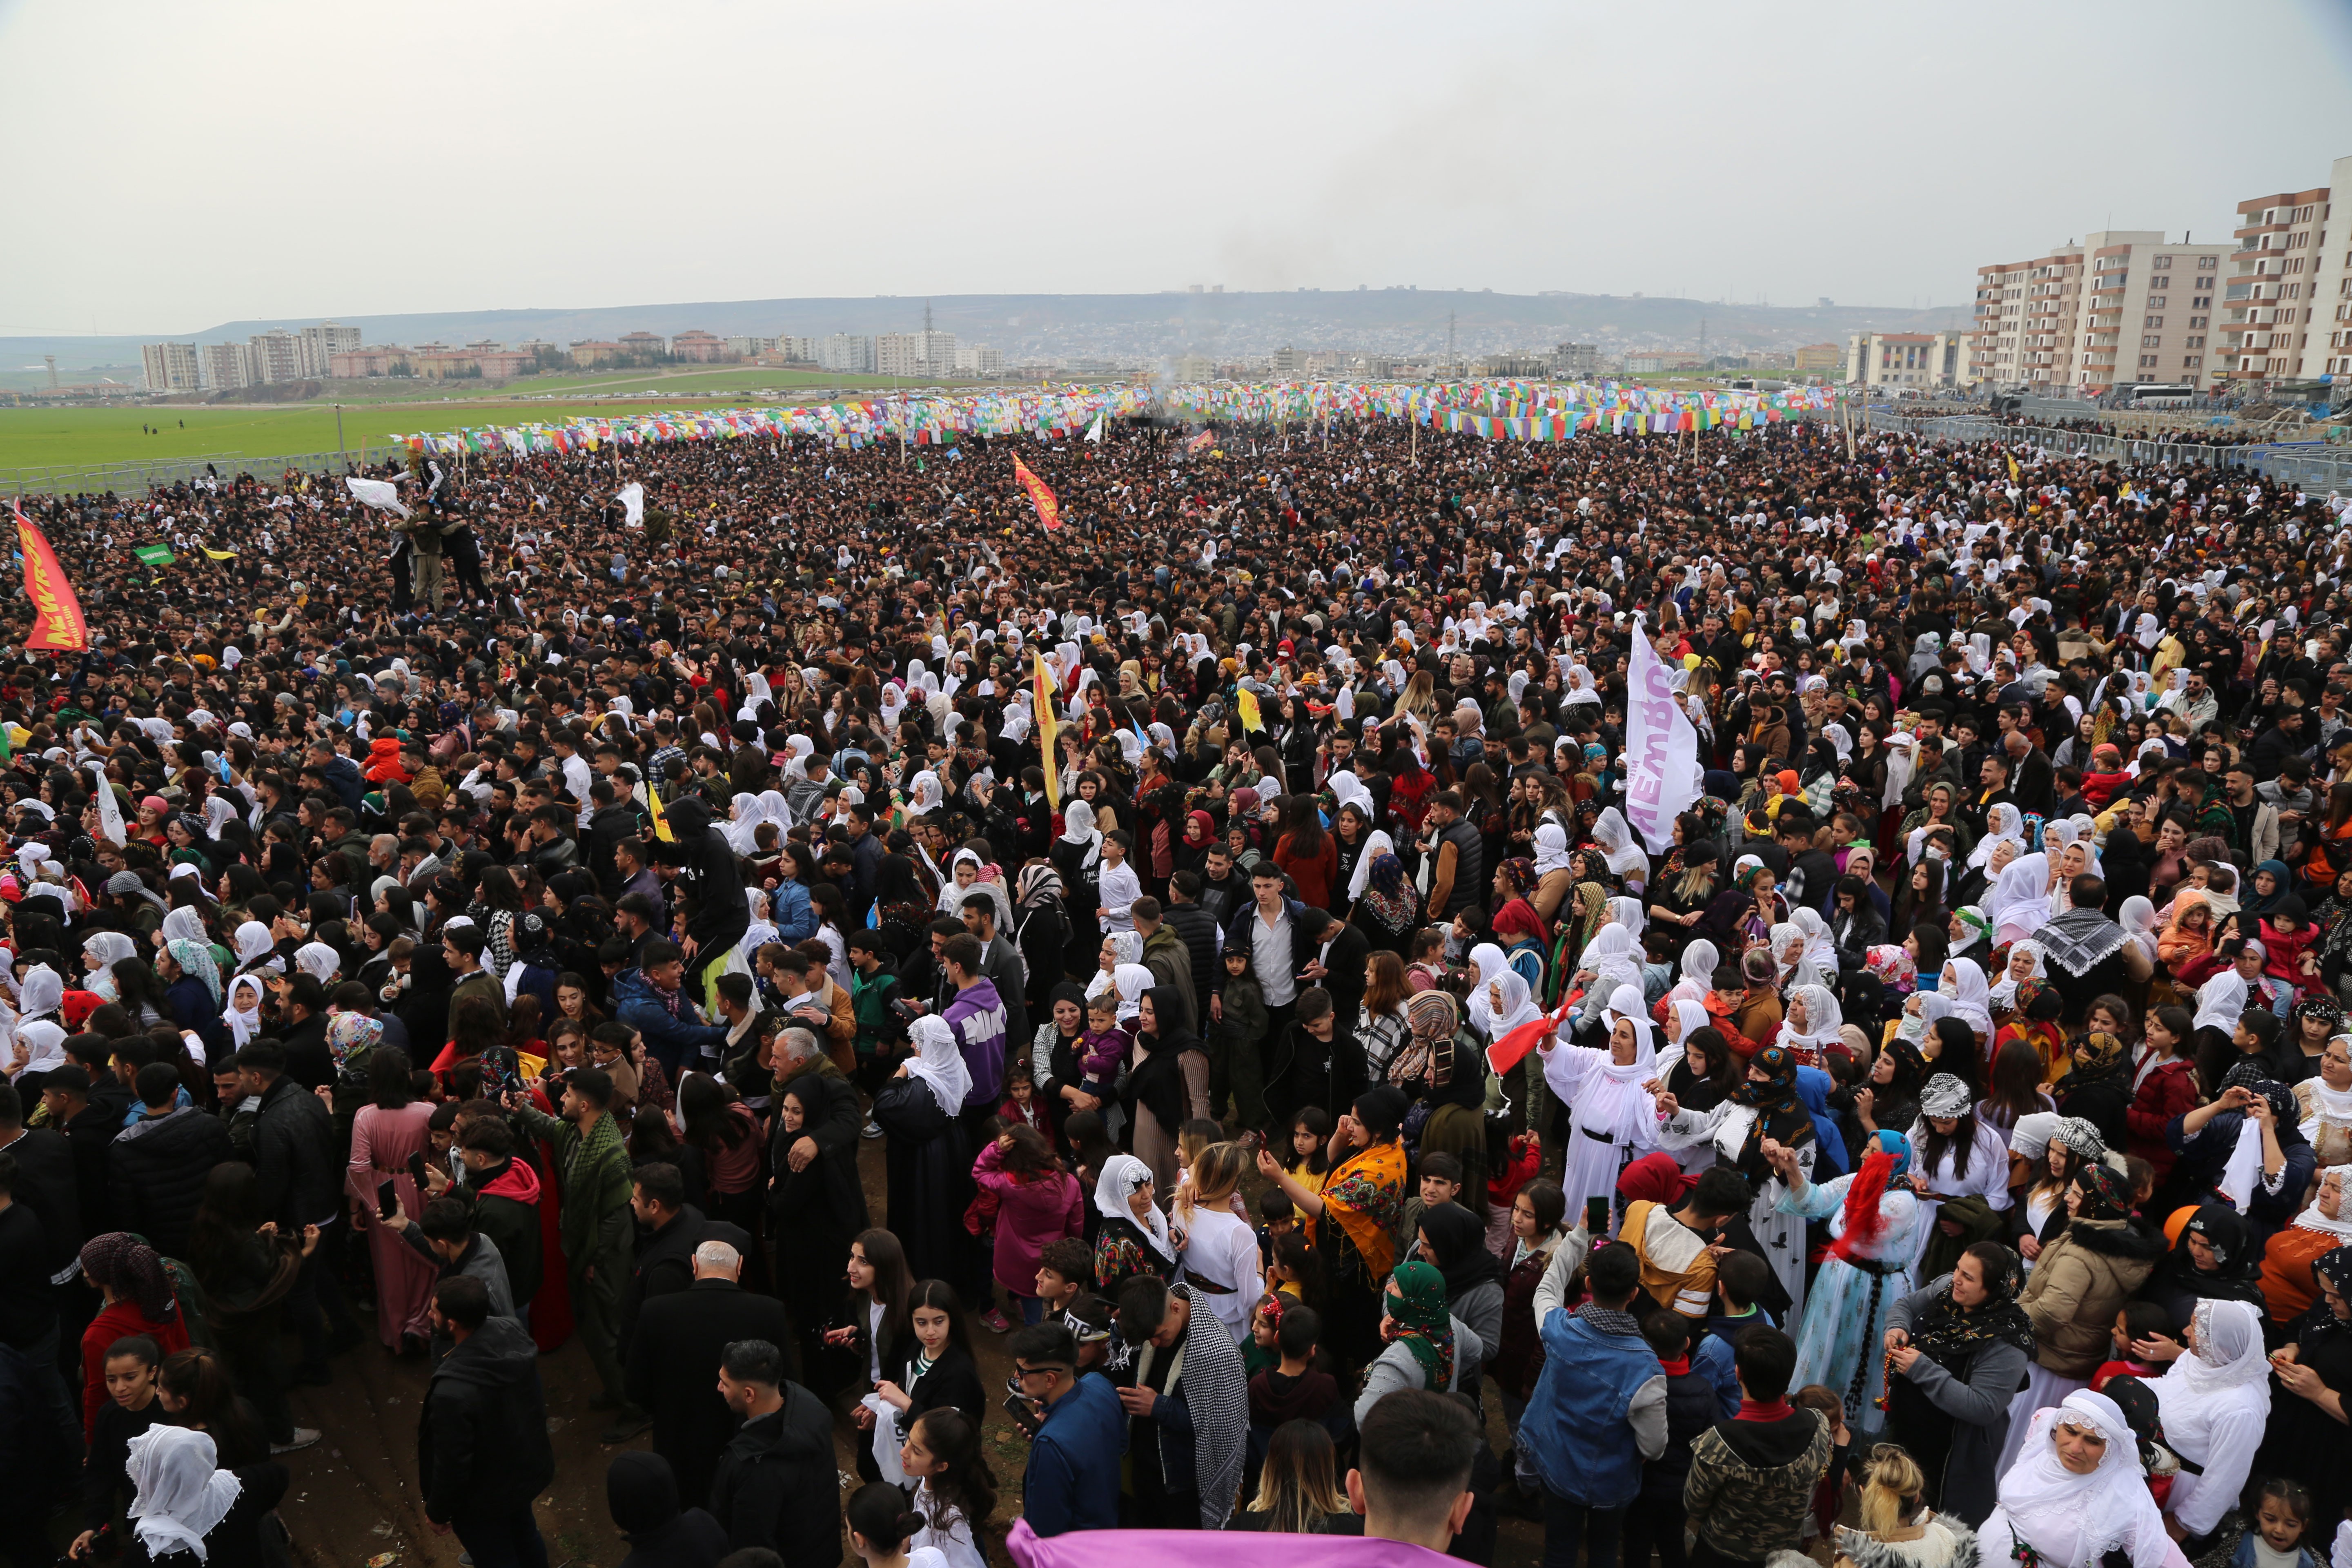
(1451, 358)
(339, 453)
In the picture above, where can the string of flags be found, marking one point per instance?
(1517, 410)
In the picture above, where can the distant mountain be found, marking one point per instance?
(1044, 326)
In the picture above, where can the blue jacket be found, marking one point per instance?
(790, 912)
(1072, 1483)
(670, 1031)
(1578, 1424)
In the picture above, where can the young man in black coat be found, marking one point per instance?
(482, 1446)
(777, 1485)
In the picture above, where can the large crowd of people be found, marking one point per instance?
(788, 933)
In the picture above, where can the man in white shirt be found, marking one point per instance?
(1119, 886)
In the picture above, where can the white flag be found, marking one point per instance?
(1661, 770)
(633, 496)
(375, 493)
(1094, 430)
(109, 808)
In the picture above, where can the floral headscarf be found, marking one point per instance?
(350, 1036)
(195, 958)
(1896, 969)
(1415, 1301)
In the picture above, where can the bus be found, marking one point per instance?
(2148, 395)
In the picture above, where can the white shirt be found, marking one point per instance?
(1220, 1247)
(1270, 955)
(1118, 889)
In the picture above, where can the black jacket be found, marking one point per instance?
(482, 1446)
(954, 1379)
(155, 1173)
(1197, 930)
(665, 1262)
(707, 873)
(309, 1061)
(45, 1184)
(673, 1372)
(296, 1158)
(777, 1485)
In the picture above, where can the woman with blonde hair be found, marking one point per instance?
(1218, 1248)
(1296, 1493)
(1898, 1529)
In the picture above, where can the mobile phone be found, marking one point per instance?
(1596, 1216)
(416, 1169)
(387, 1199)
(1024, 1415)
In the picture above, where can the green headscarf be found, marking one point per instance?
(1416, 1300)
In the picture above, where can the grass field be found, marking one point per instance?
(47, 437)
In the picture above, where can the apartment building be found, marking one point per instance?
(698, 347)
(321, 343)
(1920, 360)
(979, 359)
(846, 352)
(2286, 302)
(927, 355)
(172, 367)
(2125, 305)
(228, 366)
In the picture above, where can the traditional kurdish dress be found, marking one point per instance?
(1868, 1269)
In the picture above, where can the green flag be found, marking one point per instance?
(155, 555)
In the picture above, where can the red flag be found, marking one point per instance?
(58, 625)
(1040, 496)
(1508, 1052)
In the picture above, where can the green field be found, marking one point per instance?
(31, 437)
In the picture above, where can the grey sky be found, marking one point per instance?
(166, 166)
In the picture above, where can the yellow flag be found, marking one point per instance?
(220, 554)
(1245, 701)
(1046, 725)
(2012, 469)
(661, 822)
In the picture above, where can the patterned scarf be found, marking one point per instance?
(1416, 1304)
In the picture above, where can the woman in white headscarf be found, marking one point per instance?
(1612, 958)
(1626, 857)
(257, 950)
(1700, 959)
(2019, 904)
(2220, 1001)
(761, 930)
(43, 1045)
(918, 1111)
(183, 924)
(2137, 917)
(1134, 1239)
(743, 824)
(1964, 984)
(1811, 1025)
(2215, 1401)
(100, 951)
(2025, 962)
(1499, 1001)
(2003, 824)
(1821, 948)
(42, 996)
(1788, 941)
(1616, 1117)
(2078, 1491)
(242, 1012)
(1076, 854)
(319, 961)
(183, 1500)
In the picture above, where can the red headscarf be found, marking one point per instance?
(1656, 1178)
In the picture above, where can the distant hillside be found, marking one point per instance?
(1044, 326)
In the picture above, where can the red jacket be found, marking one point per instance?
(2168, 1092)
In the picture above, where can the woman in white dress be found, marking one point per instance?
(2215, 1402)
(1217, 1246)
(1957, 1156)
(1606, 1091)
(2077, 1493)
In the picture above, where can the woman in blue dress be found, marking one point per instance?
(1873, 1217)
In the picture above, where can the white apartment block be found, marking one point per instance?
(979, 359)
(846, 352)
(321, 343)
(2286, 302)
(1922, 359)
(927, 354)
(802, 351)
(277, 356)
(172, 367)
(2123, 306)
(227, 366)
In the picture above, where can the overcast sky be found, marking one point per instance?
(166, 166)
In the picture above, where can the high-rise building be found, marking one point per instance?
(227, 366)
(2123, 306)
(750, 348)
(1285, 364)
(322, 343)
(172, 367)
(2286, 302)
(799, 351)
(1572, 361)
(846, 352)
(979, 359)
(277, 355)
(925, 355)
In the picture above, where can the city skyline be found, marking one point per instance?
(1521, 149)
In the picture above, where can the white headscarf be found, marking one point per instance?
(1690, 1016)
(2002, 824)
(182, 1491)
(2220, 1001)
(2021, 896)
(1613, 956)
(244, 1024)
(46, 1039)
(1613, 1099)
(1121, 1175)
(2340, 1227)
(1551, 849)
(2229, 1354)
(1078, 827)
(1376, 844)
(318, 960)
(1625, 857)
(1969, 994)
(2071, 1521)
(1495, 974)
(183, 924)
(2003, 994)
(253, 941)
(42, 991)
(2137, 917)
(938, 1063)
(1823, 1021)
(1821, 948)
(104, 949)
(1699, 962)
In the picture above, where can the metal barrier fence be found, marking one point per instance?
(2311, 466)
(137, 479)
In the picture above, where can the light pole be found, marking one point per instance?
(339, 453)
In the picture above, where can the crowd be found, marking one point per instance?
(505, 916)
